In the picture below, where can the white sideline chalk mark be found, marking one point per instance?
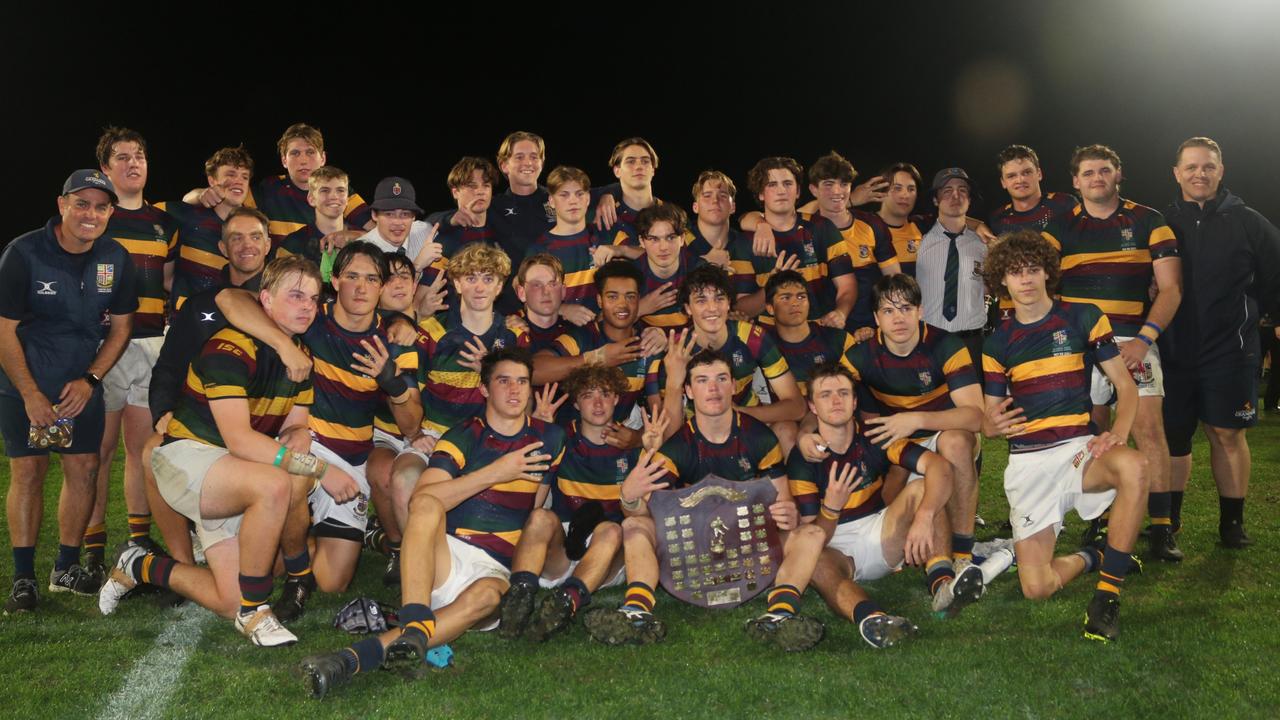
(146, 691)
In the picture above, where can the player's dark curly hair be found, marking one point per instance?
(618, 268)
(1015, 251)
(594, 376)
(703, 277)
(758, 175)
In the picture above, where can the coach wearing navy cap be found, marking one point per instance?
(67, 299)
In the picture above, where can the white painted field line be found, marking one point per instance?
(146, 691)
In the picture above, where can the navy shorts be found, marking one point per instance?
(85, 438)
(1221, 397)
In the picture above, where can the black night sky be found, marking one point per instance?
(937, 84)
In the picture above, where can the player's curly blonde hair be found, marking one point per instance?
(1016, 250)
(592, 376)
(477, 258)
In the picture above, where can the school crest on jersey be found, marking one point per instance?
(1126, 239)
(622, 467)
(1061, 343)
(864, 252)
(926, 378)
(159, 231)
(106, 277)
(810, 255)
(738, 358)
(912, 246)
(498, 343)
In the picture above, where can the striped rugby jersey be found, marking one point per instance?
(580, 340)
(742, 272)
(452, 239)
(451, 392)
(493, 518)
(922, 381)
(751, 451)
(194, 249)
(823, 257)
(748, 348)
(544, 338)
(823, 344)
(1108, 261)
(1007, 219)
(671, 317)
(234, 365)
(285, 204)
(1046, 368)
(590, 472)
(906, 240)
(305, 241)
(346, 400)
(808, 480)
(870, 247)
(146, 233)
(1051, 206)
(574, 253)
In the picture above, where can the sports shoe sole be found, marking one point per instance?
(889, 630)
(515, 611)
(795, 634)
(965, 590)
(552, 617)
(615, 628)
(322, 673)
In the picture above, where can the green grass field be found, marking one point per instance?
(1196, 642)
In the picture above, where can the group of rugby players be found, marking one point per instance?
(506, 382)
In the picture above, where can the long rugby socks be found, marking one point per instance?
(577, 592)
(961, 547)
(1115, 564)
(364, 655)
(254, 592)
(24, 562)
(937, 572)
(298, 566)
(1160, 509)
(139, 525)
(95, 540)
(639, 597)
(864, 610)
(418, 618)
(784, 600)
(155, 569)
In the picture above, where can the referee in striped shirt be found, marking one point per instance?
(949, 265)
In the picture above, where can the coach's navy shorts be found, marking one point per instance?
(1221, 397)
(86, 437)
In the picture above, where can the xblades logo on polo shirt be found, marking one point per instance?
(508, 212)
(47, 288)
(207, 317)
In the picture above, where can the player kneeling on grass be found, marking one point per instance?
(1036, 381)
(222, 468)
(485, 477)
(575, 545)
(867, 539)
(722, 441)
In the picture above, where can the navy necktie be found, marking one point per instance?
(951, 279)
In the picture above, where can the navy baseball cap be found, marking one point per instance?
(395, 193)
(89, 180)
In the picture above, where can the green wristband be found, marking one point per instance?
(280, 455)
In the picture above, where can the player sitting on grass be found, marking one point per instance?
(486, 476)
(573, 562)
(222, 467)
(922, 382)
(720, 441)
(1036, 381)
(867, 537)
(357, 369)
(707, 297)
